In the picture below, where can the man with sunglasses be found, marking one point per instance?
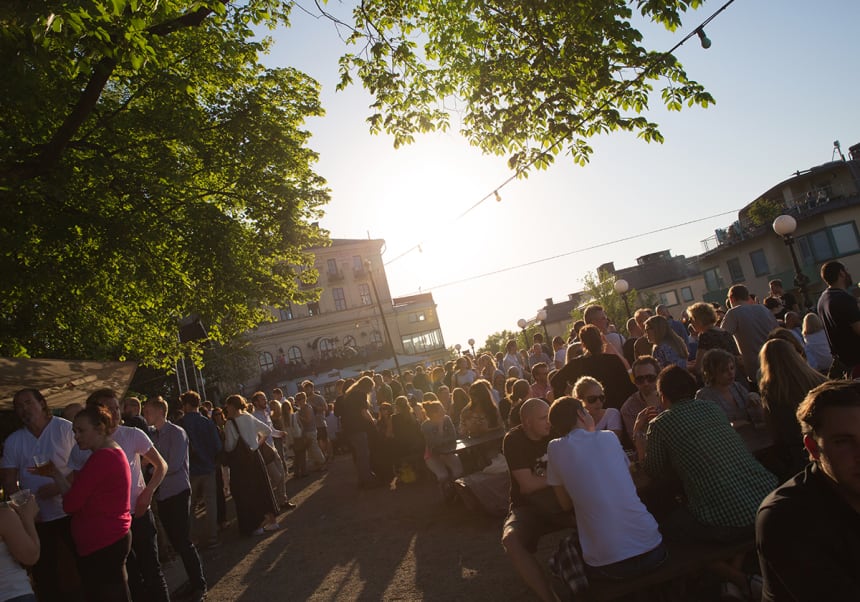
(645, 370)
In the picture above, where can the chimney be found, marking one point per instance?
(548, 301)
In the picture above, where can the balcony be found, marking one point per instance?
(334, 276)
(340, 358)
(359, 273)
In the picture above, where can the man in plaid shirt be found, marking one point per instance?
(692, 440)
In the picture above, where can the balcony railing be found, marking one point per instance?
(342, 357)
(334, 276)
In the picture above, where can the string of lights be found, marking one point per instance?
(494, 194)
(569, 253)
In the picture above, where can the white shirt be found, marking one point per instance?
(611, 421)
(511, 360)
(612, 522)
(135, 444)
(249, 427)
(57, 442)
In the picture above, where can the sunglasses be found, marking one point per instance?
(645, 378)
(594, 398)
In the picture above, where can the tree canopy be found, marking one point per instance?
(530, 79)
(151, 167)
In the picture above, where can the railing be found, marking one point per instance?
(341, 358)
(335, 276)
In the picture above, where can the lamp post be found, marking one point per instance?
(621, 287)
(522, 324)
(367, 266)
(457, 347)
(784, 226)
(472, 345)
(541, 315)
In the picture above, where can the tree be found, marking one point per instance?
(530, 80)
(497, 341)
(162, 172)
(151, 167)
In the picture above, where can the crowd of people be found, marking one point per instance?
(723, 404)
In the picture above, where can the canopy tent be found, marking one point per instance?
(62, 381)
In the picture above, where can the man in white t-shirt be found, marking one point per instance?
(619, 537)
(52, 438)
(145, 577)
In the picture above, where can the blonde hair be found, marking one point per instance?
(664, 334)
(703, 313)
(583, 383)
(432, 407)
(811, 324)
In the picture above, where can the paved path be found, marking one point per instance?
(346, 544)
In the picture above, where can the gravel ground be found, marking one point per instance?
(345, 544)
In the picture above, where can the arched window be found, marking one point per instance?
(294, 354)
(326, 347)
(266, 362)
(349, 341)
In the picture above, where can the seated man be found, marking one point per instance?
(808, 530)
(618, 536)
(534, 510)
(723, 483)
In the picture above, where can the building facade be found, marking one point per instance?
(343, 332)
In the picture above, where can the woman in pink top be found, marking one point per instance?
(98, 501)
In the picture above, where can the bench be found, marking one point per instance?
(685, 559)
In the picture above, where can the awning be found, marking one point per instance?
(62, 381)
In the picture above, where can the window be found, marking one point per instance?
(669, 298)
(686, 294)
(845, 238)
(417, 317)
(349, 341)
(266, 362)
(364, 291)
(294, 354)
(713, 280)
(331, 266)
(287, 312)
(759, 263)
(339, 299)
(357, 264)
(314, 308)
(326, 348)
(735, 270)
(423, 342)
(375, 337)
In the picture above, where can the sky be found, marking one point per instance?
(784, 76)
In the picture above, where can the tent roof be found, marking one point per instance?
(62, 381)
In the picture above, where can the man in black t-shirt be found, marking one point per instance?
(840, 314)
(808, 529)
(534, 510)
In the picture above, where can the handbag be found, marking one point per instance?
(295, 427)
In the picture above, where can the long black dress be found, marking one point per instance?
(249, 484)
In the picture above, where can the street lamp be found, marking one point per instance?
(367, 266)
(541, 315)
(784, 226)
(522, 324)
(472, 345)
(458, 347)
(621, 287)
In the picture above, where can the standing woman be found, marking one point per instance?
(703, 318)
(359, 427)
(19, 545)
(99, 503)
(249, 481)
(785, 380)
(222, 484)
(669, 348)
(464, 375)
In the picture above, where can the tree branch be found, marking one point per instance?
(49, 154)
